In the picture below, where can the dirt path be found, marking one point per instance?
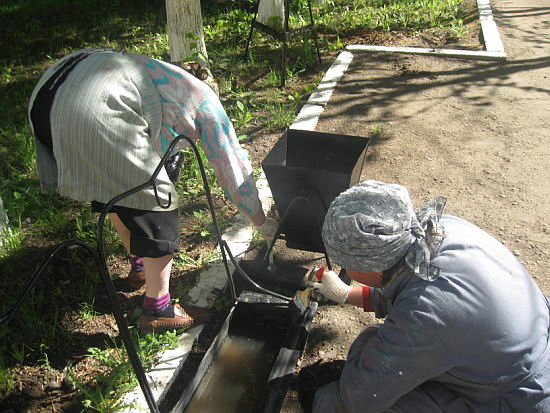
(475, 132)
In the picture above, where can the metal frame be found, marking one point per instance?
(283, 36)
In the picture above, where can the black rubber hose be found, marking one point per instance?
(123, 327)
(39, 271)
(121, 323)
(212, 212)
(223, 245)
(249, 280)
(100, 261)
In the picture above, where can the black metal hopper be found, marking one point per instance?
(306, 170)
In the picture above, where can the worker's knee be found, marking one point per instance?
(431, 397)
(327, 400)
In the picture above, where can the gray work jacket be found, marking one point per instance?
(480, 329)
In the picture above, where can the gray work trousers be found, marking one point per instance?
(430, 397)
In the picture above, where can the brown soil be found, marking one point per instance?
(471, 131)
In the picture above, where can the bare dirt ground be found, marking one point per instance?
(475, 132)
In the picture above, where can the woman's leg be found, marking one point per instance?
(159, 313)
(136, 276)
(122, 231)
(157, 275)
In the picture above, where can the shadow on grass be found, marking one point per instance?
(63, 315)
(33, 30)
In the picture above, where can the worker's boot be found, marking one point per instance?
(175, 317)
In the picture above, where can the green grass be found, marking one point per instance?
(388, 15)
(35, 33)
(106, 395)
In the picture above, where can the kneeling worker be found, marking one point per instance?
(466, 327)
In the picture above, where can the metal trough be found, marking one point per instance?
(249, 366)
(306, 170)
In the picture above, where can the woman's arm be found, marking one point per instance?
(228, 159)
(332, 287)
(191, 108)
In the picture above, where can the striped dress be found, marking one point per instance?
(115, 116)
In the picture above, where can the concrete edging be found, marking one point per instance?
(494, 48)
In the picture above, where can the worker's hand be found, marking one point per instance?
(332, 287)
(268, 229)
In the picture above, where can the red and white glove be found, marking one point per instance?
(332, 287)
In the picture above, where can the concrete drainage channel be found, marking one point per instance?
(272, 365)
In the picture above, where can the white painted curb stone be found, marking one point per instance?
(494, 49)
(309, 115)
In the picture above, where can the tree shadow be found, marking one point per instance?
(533, 32)
(400, 84)
(37, 29)
(52, 325)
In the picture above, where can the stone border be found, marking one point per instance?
(494, 48)
(309, 114)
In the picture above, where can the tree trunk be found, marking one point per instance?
(3, 222)
(185, 34)
(271, 13)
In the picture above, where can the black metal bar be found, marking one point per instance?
(250, 33)
(283, 36)
(283, 219)
(314, 32)
(285, 43)
(212, 212)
